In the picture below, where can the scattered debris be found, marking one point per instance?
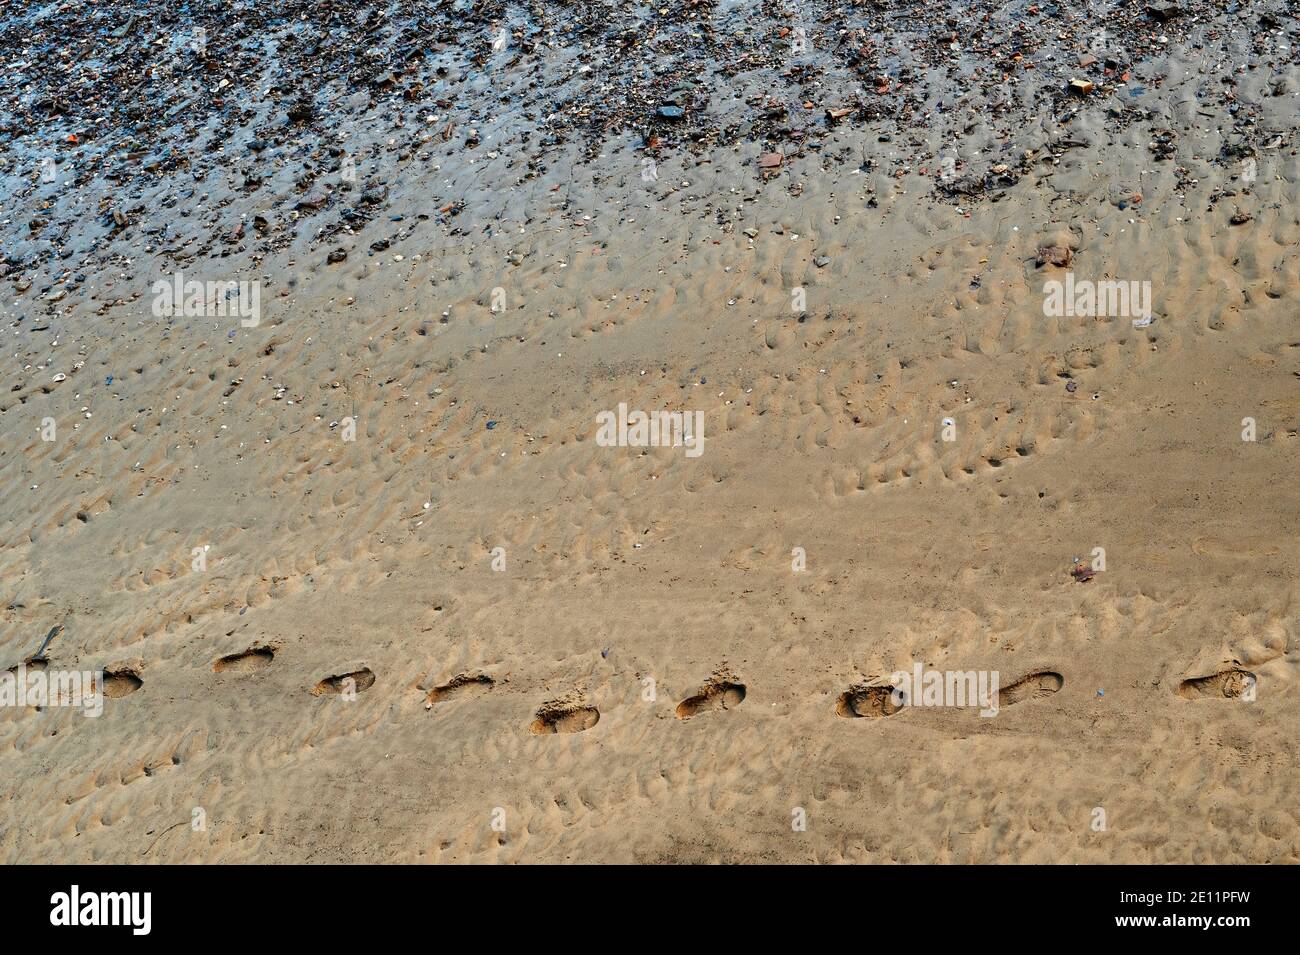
(49, 637)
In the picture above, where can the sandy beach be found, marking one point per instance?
(968, 334)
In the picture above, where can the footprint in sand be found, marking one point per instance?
(1229, 684)
(1043, 683)
(561, 717)
(357, 680)
(867, 701)
(717, 694)
(121, 682)
(463, 684)
(254, 658)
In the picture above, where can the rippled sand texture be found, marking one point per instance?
(645, 678)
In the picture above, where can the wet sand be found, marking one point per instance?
(374, 591)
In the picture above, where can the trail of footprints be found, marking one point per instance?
(720, 692)
(865, 700)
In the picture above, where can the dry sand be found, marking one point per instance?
(646, 678)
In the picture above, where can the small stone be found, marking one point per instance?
(1163, 11)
